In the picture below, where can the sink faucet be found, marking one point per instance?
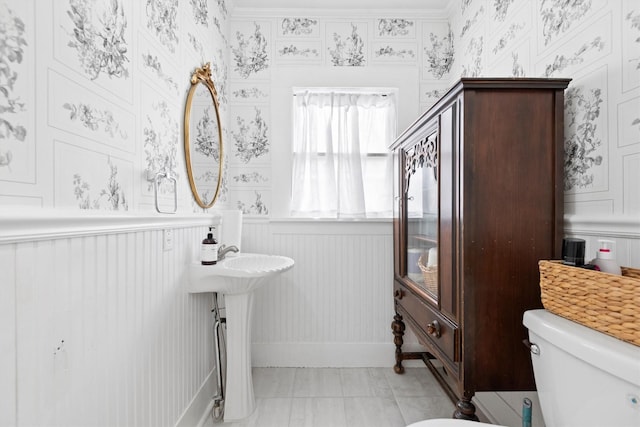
(224, 249)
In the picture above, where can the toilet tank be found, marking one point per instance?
(584, 377)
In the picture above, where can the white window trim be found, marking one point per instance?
(284, 79)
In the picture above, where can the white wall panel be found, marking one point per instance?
(335, 306)
(99, 330)
(137, 347)
(337, 297)
(7, 336)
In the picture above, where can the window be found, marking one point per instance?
(342, 166)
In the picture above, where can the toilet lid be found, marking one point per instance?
(448, 422)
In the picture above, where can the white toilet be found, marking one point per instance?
(584, 378)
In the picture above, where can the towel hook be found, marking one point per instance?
(165, 173)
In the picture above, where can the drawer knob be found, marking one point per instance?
(433, 329)
(399, 293)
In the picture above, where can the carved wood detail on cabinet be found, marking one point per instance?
(479, 202)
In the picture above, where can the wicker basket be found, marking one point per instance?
(605, 302)
(430, 276)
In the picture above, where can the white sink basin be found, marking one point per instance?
(237, 274)
(236, 277)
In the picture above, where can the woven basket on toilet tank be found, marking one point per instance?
(605, 302)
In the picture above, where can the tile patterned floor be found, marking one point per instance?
(344, 397)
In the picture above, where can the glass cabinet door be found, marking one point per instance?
(421, 186)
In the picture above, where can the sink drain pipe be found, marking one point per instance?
(221, 361)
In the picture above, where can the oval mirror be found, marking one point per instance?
(203, 138)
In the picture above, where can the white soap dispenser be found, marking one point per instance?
(605, 259)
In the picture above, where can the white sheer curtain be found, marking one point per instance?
(342, 167)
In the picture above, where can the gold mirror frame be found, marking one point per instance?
(202, 75)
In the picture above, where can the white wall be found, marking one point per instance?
(334, 307)
(97, 326)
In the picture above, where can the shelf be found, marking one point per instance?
(424, 238)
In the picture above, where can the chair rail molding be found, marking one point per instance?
(608, 226)
(47, 224)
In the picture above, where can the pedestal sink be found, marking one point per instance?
(236, 277)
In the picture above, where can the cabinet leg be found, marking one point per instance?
(397, 326)
(465, 409)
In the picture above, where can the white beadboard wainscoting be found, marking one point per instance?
(97, 328)
(335, 306)
(624, 231)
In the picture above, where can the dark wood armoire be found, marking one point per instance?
(479, 201)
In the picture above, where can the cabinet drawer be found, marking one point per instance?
(432, 325)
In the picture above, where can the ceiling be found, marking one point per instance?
(342, 4)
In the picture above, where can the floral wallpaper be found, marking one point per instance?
(395, 27)
(557, 18)
(596, 43)
(298, 26)
(162, 21)
(13, 43)
(95, 119)
(501, 8)
(79, 112)
(160, 139)
(292, 51)
(250, 136)
(439, 52)
(154, 65)
(205, 138)
(200, 12)
(114, 76)
(109, 197)
(388, 52)
(90, 180)
(582, 109)
(250, 52)
(99, 38)
(348, 48)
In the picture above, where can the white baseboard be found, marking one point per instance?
(329, 355)
(199, 408)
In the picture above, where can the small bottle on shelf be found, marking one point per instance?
(605, 259)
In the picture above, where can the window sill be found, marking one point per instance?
(327, 226)
(329, 220)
